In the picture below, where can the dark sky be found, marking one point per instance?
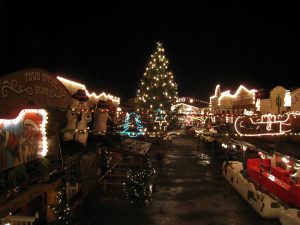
(107, 46)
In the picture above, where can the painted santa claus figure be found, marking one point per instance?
(31, 138)
(9, 149)
(78, 116)
(17, 149)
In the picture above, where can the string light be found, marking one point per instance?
(77, 86)
(267, 121)
(226, 94)
(138, 184)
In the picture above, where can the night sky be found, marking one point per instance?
(107, 47)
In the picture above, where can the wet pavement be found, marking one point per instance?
(189, 191)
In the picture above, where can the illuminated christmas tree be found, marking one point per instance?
(138, 186)
(157, 90)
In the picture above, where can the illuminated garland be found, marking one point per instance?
(220, 95)
(88, 110)
(77, 86)
(106, 159)
(61, 209)
(138, 187)
(77, 130)
(128, 127)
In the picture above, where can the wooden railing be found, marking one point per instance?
(18, 220)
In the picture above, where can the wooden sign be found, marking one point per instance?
(32, 88)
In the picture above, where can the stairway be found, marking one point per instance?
(114, 178)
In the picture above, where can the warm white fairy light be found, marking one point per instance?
(224, 94)
(241, 87)
(267, 120)
(102, 95)
(248, 112)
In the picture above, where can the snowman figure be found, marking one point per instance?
(101, 117)
(82, 129)
(78, 115)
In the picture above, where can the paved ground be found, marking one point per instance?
(189, 191)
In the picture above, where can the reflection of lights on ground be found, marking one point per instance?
(179, 180)
(187, 180)
(204, 162)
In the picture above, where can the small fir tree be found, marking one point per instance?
(138, 186)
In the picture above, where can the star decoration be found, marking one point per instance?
(160, 118)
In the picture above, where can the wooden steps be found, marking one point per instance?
(115, 176)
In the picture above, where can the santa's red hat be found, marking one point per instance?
(33, 119)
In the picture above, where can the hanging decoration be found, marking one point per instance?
(133, 126)
(160, 118)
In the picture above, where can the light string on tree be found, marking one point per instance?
(61, 209)
(157, 89)
(138, 186)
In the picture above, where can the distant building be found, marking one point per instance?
(185, 105)
(279, 100)
(227, 103)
